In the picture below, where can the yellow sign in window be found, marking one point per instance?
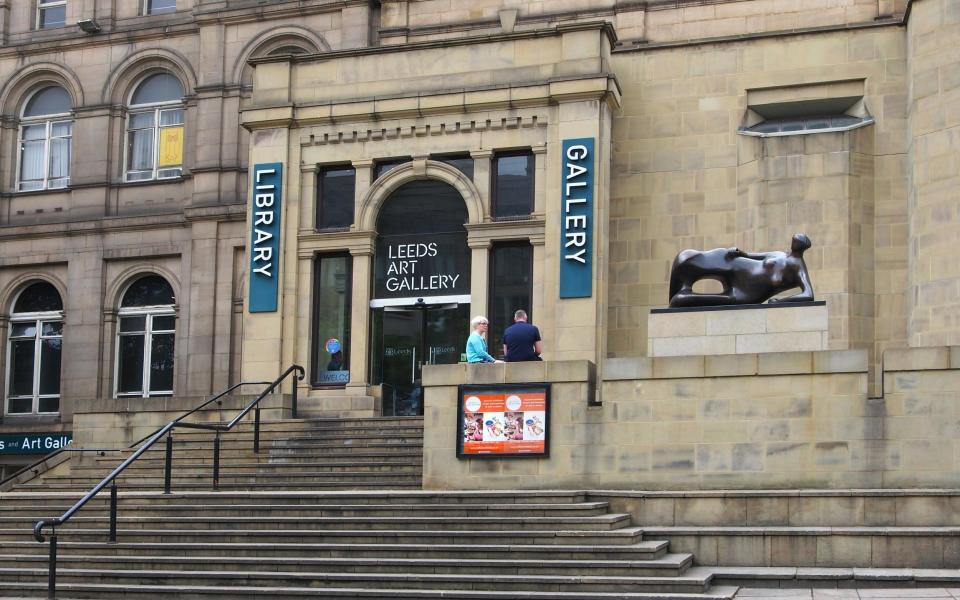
(171, 147)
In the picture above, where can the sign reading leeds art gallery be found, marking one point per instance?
(424, 265)
(576, 220)
(265, 237)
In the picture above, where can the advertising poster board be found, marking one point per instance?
(503, 421)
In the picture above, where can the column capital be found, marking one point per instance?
(481, 153)
(363, 163)
(541, 149)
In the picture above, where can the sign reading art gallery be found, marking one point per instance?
(34, 443)
(498, 421)
(576, 219)
(422, 266)
(265, 237)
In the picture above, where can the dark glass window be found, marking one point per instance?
(512, 187)
(331, 318)
(145, 344)
(335, 197)
(382, 166)
(511, 288)
(51, 13)
(36, 336)
(161, 6)
(460, 162)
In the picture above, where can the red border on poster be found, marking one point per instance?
(503, 420)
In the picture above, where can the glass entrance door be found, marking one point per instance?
(409, 339)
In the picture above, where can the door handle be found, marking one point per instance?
(413, 366)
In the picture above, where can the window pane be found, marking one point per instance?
(335, 202)
(21, 368)
(164, 323)
(513, 185)
(161, 363)
(464, 164)
(142, 120)
(133, 324)
(171, 117)
(49, 101)
(332, 320)
(385, 165)
(140, 149)
(159, 6)
(61, 129)
(24, 330)
(59, 158)
(52, 328)
(20, 405)
(49, 405)
(55, 16)
(162, 87)
(510, 289)
(171, 147)
(130, 369)
(40, 296)
(31, 161)
(35, 132)
(151, 290)
(50, 366)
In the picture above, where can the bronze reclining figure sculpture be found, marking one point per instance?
(747, 278)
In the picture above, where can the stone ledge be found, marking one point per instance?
(922, 359)
(552, 371)
(736, 365)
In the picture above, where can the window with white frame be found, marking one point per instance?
(155, 129)
(146, 323)
(153, 7)
(51, 13)
(46, 131)
(34, 351)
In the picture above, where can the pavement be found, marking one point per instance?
(923, 593)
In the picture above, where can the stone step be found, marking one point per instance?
(227, 468)
(285, 593)
(809, 577)
(491, 581)
(667, 565)
(643, 550)
(341, 510)
(418, 497)
(626, 535)
(253, 477)
(392, 483)
(604, 522)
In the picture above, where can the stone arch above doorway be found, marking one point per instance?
(383, 187)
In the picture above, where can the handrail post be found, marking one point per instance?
(256, 430)
(216, 462)
(168, 465)
(52, 567)
(113, 513)
(293, 399)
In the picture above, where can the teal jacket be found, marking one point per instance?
(477, 349)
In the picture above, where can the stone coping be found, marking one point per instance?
(548, 371)
(736, 365)
(775, 493)
(683, 309)
(921, 359)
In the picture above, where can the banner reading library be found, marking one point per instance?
(503, 421)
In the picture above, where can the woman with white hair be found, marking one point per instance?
(476, 345)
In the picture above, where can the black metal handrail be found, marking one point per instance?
(55, 522)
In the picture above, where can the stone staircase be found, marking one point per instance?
(328, 508)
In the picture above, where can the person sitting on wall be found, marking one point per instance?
(747, 278)
(476, 344)
(521, 341)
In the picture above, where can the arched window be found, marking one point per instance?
(155, 129)
(46, 128)
(145, 336)
(33, 356)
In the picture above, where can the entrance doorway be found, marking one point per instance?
(411, 337)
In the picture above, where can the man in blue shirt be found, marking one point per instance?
(476, 345)
(521, 341)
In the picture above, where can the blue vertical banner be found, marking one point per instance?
(265, 237)
(576, 219)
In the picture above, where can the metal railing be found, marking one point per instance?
(152, 439)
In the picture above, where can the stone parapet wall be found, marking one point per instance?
(798, 420)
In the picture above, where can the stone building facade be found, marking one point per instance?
(708, 124)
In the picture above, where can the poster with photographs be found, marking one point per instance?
(503, 420)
